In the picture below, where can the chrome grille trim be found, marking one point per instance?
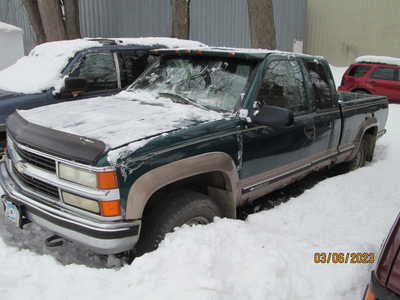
(51, 178)
(36, 160)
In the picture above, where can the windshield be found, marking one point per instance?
(212, 83)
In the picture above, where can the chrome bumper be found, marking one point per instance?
(101, 237)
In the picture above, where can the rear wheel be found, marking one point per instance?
(359, 160)
(182, 207)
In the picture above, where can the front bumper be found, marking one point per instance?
(102, 237)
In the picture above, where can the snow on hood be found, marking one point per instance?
(41, 69)
(379, 60)
(120, 119)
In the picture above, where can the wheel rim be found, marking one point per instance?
(200, 220)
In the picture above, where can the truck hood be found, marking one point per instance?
(120, 119)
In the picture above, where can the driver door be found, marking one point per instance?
(271, 153)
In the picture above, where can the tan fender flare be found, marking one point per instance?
(146, 185)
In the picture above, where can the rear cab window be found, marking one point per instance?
(359, 70)
(324, 97)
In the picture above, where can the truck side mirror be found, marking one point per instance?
(273, 116)
(75, 85)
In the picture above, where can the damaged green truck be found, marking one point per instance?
(199, 134)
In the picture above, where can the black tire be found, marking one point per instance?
(361, 157)
(181, 207)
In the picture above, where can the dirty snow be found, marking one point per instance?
(379, 60)
(268, 256)
(117, 120)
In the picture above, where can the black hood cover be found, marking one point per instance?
(60, 144)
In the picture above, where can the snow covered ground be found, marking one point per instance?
(338, 74)
(267, 256)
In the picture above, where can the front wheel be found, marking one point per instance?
(182, 207)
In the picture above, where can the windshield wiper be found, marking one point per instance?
(181, 99)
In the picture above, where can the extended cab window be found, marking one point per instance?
(323, 96)
(384, 74)
(132, 64)
(99, 71)
(283, 86)
(358, 71)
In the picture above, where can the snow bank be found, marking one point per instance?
(4, 27)
(270, 255)
(119, 119)
(41, 69)
(379, 60)
(11, 39)
(337, 73)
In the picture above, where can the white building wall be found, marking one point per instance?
(342, 30)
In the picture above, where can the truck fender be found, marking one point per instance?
(146, 185)
(365, 125)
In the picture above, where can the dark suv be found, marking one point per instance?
(76, 69)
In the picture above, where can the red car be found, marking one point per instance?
(385, 279)
(378, 75)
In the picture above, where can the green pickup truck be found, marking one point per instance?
(199, 134)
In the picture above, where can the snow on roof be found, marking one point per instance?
(4, 27)
(386, 60)
(42, 68)
(156, 41)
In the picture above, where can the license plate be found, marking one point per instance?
(12, 213)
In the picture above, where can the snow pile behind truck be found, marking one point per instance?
(12, 45)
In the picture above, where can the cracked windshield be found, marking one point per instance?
(204, 82)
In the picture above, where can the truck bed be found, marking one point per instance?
(359, 109)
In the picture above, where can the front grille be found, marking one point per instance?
(37, 160)
(37, 185)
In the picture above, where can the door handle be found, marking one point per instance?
(309, 132)
(372, 82)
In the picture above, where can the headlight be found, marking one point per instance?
(77, 175)
(80, 202)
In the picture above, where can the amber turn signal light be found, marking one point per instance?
(107, 180)
(110, 208)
